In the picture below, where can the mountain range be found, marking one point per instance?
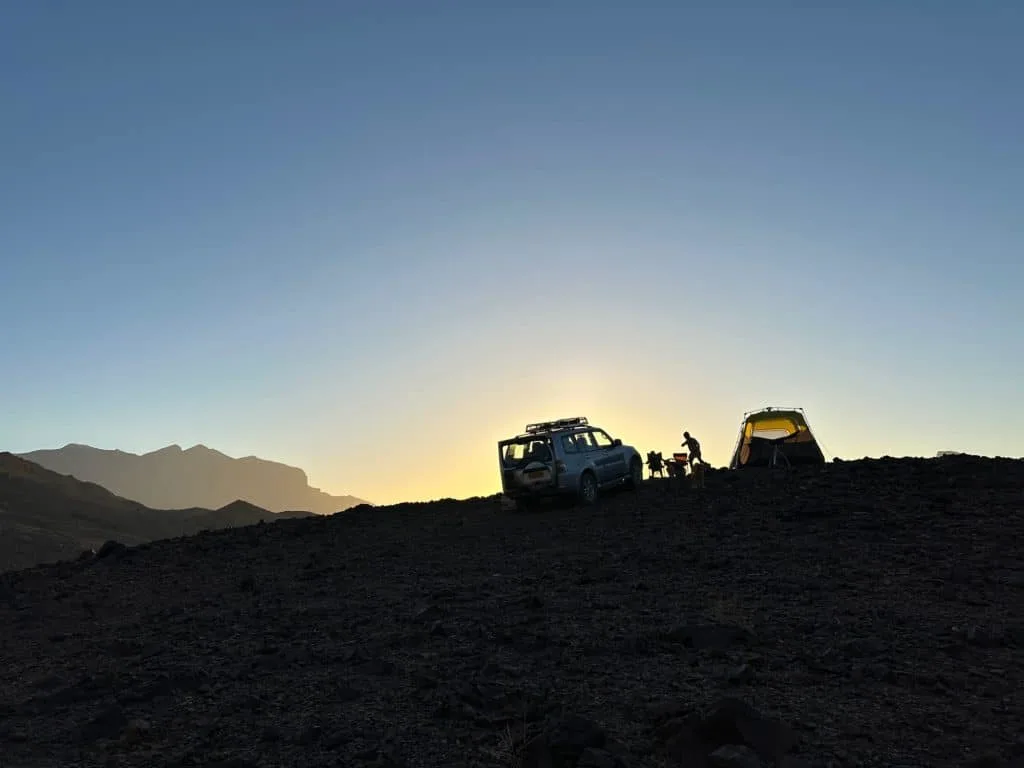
(177, 478)
(46, 516)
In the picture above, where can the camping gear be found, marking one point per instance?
(676, 466)
(655, 463)
(775, 437)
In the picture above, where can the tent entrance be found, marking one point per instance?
(773, 437)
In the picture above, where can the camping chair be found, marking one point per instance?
(655, 463)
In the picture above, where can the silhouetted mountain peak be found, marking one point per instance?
(82, 448)
(166, 450)
(240, 505)
(200, 476)
(201, 450)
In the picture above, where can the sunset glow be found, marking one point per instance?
(371, 241)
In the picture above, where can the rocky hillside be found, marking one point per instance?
(859, 614)
(173, 478)
(46, 516)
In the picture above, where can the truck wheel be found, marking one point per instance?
(588, 488)
(636, 474)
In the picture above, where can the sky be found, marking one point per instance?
(371, 239)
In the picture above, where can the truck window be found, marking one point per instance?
(584, 441)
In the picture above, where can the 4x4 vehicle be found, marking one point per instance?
(565, 457)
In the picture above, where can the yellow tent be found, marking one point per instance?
(775, 436)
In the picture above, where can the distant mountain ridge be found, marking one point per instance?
(46, 516)
(177, 478)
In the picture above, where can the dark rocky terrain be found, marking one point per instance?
(46, 516)
(860, 614)
(177, 478)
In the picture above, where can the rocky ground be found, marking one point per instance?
(861, 614)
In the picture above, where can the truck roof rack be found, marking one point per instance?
(546, 426)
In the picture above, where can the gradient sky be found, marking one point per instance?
(372, 238)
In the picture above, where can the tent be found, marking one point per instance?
(775, 436)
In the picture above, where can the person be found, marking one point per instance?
(693, 448)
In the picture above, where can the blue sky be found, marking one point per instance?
(326, 232)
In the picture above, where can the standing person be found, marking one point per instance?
(693, 447)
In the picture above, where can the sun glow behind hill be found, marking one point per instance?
(374, 269)
(442, 461)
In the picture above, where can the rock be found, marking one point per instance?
(108, 724)
(424, 682)
(537, 753)
(14, 736)
(987, 760)
(437, 629)
(741, 675)
(565, 742)
(682, 744)
(665, 710)
(429, 613)
(112, 550)
(597, 758)
(136, 731)
(621, 753)
(728, 723)
(670, 728)
(734, 756)
(378, 667)
(878, 672)
(161, 686)
(721, 723)
(771, 739)
(354, 654)
(861, 647)
(345, 693)
(333, 740)
(534, 603)
(572, 734)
